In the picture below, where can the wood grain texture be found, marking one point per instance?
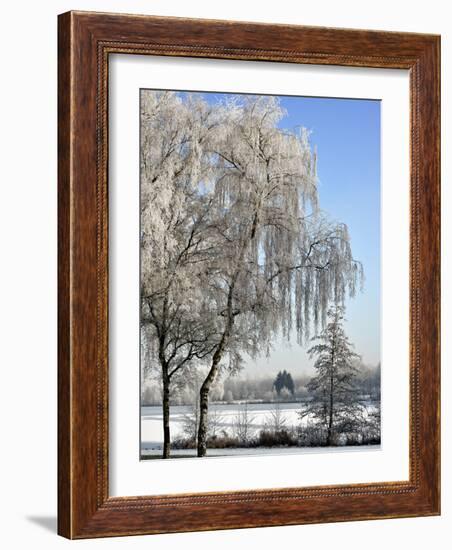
(64, 294)
(85, 42)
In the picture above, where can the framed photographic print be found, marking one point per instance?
(248, 275)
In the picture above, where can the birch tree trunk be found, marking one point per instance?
(218, 355)
(204, 403)
(210, 378)
(166, 417)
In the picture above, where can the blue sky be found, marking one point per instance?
(346, 133)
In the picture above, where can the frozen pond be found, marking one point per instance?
(225, 417)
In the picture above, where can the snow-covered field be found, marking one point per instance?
(225, 417)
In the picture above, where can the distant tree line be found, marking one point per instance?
(237, 388)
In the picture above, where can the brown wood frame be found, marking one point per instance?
(84, 44)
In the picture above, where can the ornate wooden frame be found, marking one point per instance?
(85, 42)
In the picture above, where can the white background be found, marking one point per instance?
(129, 476)
(28, 272)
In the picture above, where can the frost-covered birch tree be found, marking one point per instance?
(280, 262)
(335, 404)
(174, 213)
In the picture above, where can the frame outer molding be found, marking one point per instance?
(85, 41)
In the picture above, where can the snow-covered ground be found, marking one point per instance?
(225, 417)
(253, 451)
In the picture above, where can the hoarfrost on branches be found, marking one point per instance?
(334, 404)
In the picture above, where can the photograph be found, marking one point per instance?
(259, 274)
(227, 222)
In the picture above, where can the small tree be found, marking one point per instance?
(243, 428)
(277, 421)
(190, 422)
(334, 404)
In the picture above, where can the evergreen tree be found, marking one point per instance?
(284, 380)
(289, 383)
(278, 384)
(334, 404)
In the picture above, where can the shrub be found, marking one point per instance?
(311, 436)
(277, 438)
